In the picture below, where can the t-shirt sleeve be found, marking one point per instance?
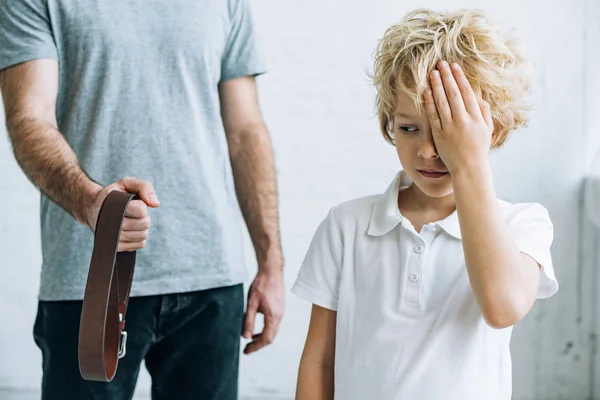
(319, 276)
(533, 232)
(242, 55)
(25, 32)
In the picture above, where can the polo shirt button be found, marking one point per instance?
(414, 277)
(419, 249)
(430, 228)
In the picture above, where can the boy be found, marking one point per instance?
(415, 291)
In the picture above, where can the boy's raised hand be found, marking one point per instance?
(461, 124)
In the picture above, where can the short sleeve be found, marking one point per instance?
(242, 54)
(533, 233)
(25, 32)
(319, 277)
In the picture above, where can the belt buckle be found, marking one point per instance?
(122, 340)
(123, 344)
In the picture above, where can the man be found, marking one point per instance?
(156, 98)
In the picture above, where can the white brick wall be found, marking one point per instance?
(319, 107)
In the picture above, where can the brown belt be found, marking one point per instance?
(102, 335)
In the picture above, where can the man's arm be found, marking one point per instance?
(29, 91)
(253, 168)
(251, 156)
(316, 372)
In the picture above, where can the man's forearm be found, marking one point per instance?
(503, 285)
(256, 187)
(50, 164)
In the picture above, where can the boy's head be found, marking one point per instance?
(411, 49)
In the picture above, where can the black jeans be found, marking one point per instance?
(190, 343)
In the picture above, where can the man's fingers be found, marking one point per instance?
(134, 231)
(136, 224)
(143, 189)
(253, 346)
(134, 236)
(131, 246)
(259, 341)
(265, 338)
(136, 209)
(270, 330)
(249, 319)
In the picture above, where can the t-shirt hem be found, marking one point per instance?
(547, 288)
(238, 73)
(152, 288)
(548, 285)
(26, 56)
(306, 292)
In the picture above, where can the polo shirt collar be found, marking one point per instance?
(386, 215)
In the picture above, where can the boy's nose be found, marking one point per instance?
(427, 148)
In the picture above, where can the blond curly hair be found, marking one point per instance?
(493, 63)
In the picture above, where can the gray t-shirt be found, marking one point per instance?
(138, 97)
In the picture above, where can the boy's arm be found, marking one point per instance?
(315, 375)
(504, 280)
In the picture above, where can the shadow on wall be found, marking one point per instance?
(592, 192)
(589, 254)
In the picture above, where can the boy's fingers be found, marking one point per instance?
(468, 96)
(432, 114)
(487, 115)
(439, 97)
(452, 91)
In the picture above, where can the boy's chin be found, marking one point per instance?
(435, 190)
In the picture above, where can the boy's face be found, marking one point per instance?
(416, 149)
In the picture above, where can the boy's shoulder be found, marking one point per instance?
(522, 207)
(357, 212)
(356, 209)
(515, 212)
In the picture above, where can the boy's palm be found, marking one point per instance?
(461, 124)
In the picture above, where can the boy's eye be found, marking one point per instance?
(408, 129)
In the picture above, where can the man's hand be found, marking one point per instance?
(461, 125)
(137, 221)
(266, 296)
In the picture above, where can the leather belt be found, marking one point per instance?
(102, 335)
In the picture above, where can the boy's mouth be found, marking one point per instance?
(431, 174)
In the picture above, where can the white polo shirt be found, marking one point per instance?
(408, 325)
